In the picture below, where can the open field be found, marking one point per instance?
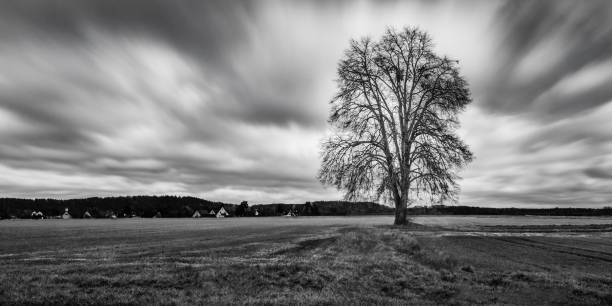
(307, 260)
(464, 222)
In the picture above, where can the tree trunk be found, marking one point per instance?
(401, 212)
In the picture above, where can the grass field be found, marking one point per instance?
(307, 260)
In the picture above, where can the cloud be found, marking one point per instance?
(229, 100)
(167, 125)
(551, 164)
(598, 173)
(549, 58)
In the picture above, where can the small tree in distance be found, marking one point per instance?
(242, 209)
(393, 121)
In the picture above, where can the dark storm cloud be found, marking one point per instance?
(543, 43)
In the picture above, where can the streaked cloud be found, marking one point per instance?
(229, 100)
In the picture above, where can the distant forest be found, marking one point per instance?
(177, 207)
(473, 210)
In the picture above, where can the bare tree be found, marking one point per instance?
(393, 121)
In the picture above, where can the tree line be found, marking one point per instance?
(472, 210)
(175, 207)
(181, 207)
(141, 206)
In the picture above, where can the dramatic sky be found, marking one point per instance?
(228, 100)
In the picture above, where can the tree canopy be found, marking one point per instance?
(393, 119)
